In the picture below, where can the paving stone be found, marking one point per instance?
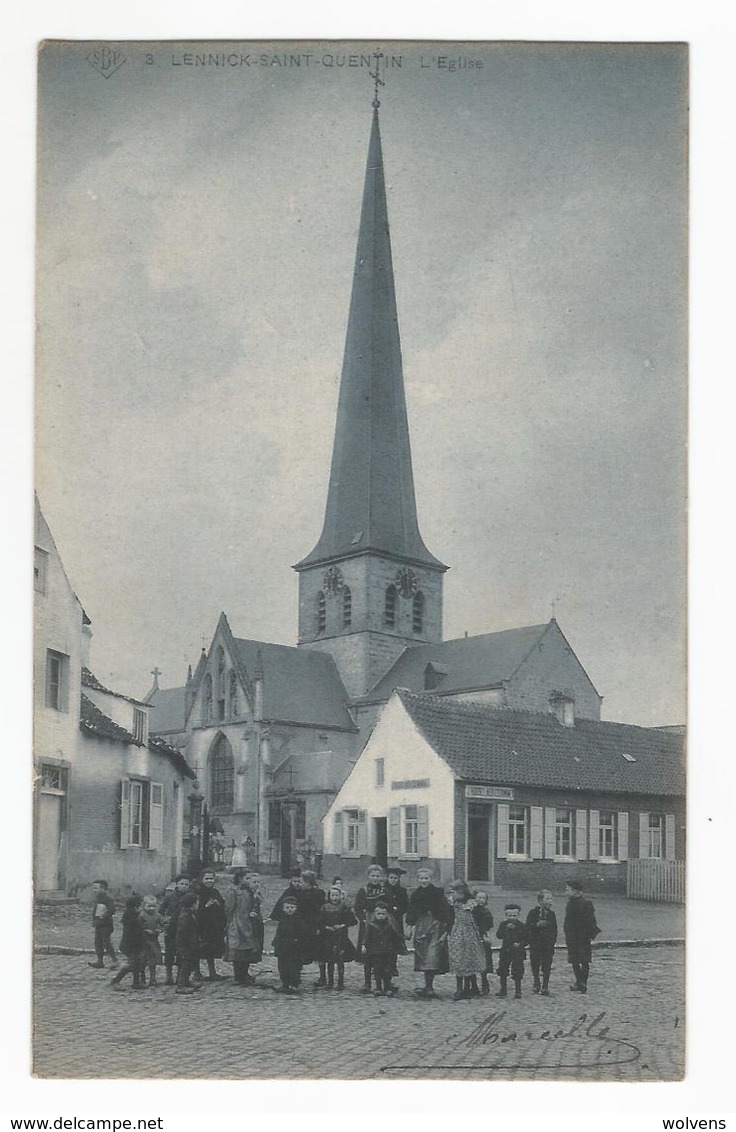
(84, 1028)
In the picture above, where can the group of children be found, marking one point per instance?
(452, 932)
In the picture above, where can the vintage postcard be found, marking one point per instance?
(359, 568)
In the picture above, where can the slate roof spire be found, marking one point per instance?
(370, 501)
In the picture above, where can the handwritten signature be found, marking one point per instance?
(585, 1043)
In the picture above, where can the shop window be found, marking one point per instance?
(656, 835)
(607, 836)
(518, 831)
(564, 832)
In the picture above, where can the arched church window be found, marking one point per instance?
(321, 612)
(222, 776)
(207, 699)
(389, 609)
(417, 613)
(220, 686)
(233, 694)
(347, 607)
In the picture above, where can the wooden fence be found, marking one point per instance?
(656, 880)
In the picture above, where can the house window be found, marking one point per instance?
(222, 776)
(53, 777)
(40, 561)
(139, 725)
(564, 825)
(656, 835)
(321, 612)
(57, 680)
(233, 694)
(410, 831)
(136, 814)
(607, 848)
(207, 699)
(417, 613)
(347, 607)
(352, 829)
(141, 814)
(518, 831)
(380, 771)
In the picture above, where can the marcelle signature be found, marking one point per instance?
(489, 1032)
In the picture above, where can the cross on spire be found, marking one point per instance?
(377, 80)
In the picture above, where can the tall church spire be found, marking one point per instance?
(371, 504)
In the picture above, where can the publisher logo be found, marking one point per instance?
(106, 60)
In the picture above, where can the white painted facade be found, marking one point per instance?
(407, 758)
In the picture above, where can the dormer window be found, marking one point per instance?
(140, 725)
(562, 705)
(347, 607)
(417, 613)
(433, 676)
(389, 609)
(321, 612)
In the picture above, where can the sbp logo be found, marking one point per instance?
(106, 60)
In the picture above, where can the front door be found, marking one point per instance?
(480, 842)
(49, 841)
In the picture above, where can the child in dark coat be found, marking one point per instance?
(153, 925)
(287, 946)
(514, 938)
(211, 924)
(102, 919)
(542, 925)
(484, 922)
(186, 943)
(366, 899)
(580, 929)
(170, 911)
(382, 945)
(132, 944)
(337, 950)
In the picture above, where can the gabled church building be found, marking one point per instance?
(273, 731)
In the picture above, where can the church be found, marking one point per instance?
(273, 731)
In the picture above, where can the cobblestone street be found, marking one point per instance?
(633, 1028)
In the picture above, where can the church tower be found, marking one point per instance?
(370, 587)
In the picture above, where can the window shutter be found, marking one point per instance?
(594, 836)
(581, 834)
(362, 832)
(423, 831)
(536, 833)
(394, 831)
(156, 816)
(669, 837)
(64, 685)
(623, 836)
(503, 831)
(125, 813)
(550, 819)
(643, 835)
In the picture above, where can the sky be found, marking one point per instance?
(196, 235)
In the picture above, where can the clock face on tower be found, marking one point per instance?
(333, 580)
(406, 582)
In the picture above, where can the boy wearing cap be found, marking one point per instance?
(580, 929)
(514, 937)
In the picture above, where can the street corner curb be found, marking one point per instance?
(60, 949)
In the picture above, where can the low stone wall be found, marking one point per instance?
(125, 870)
